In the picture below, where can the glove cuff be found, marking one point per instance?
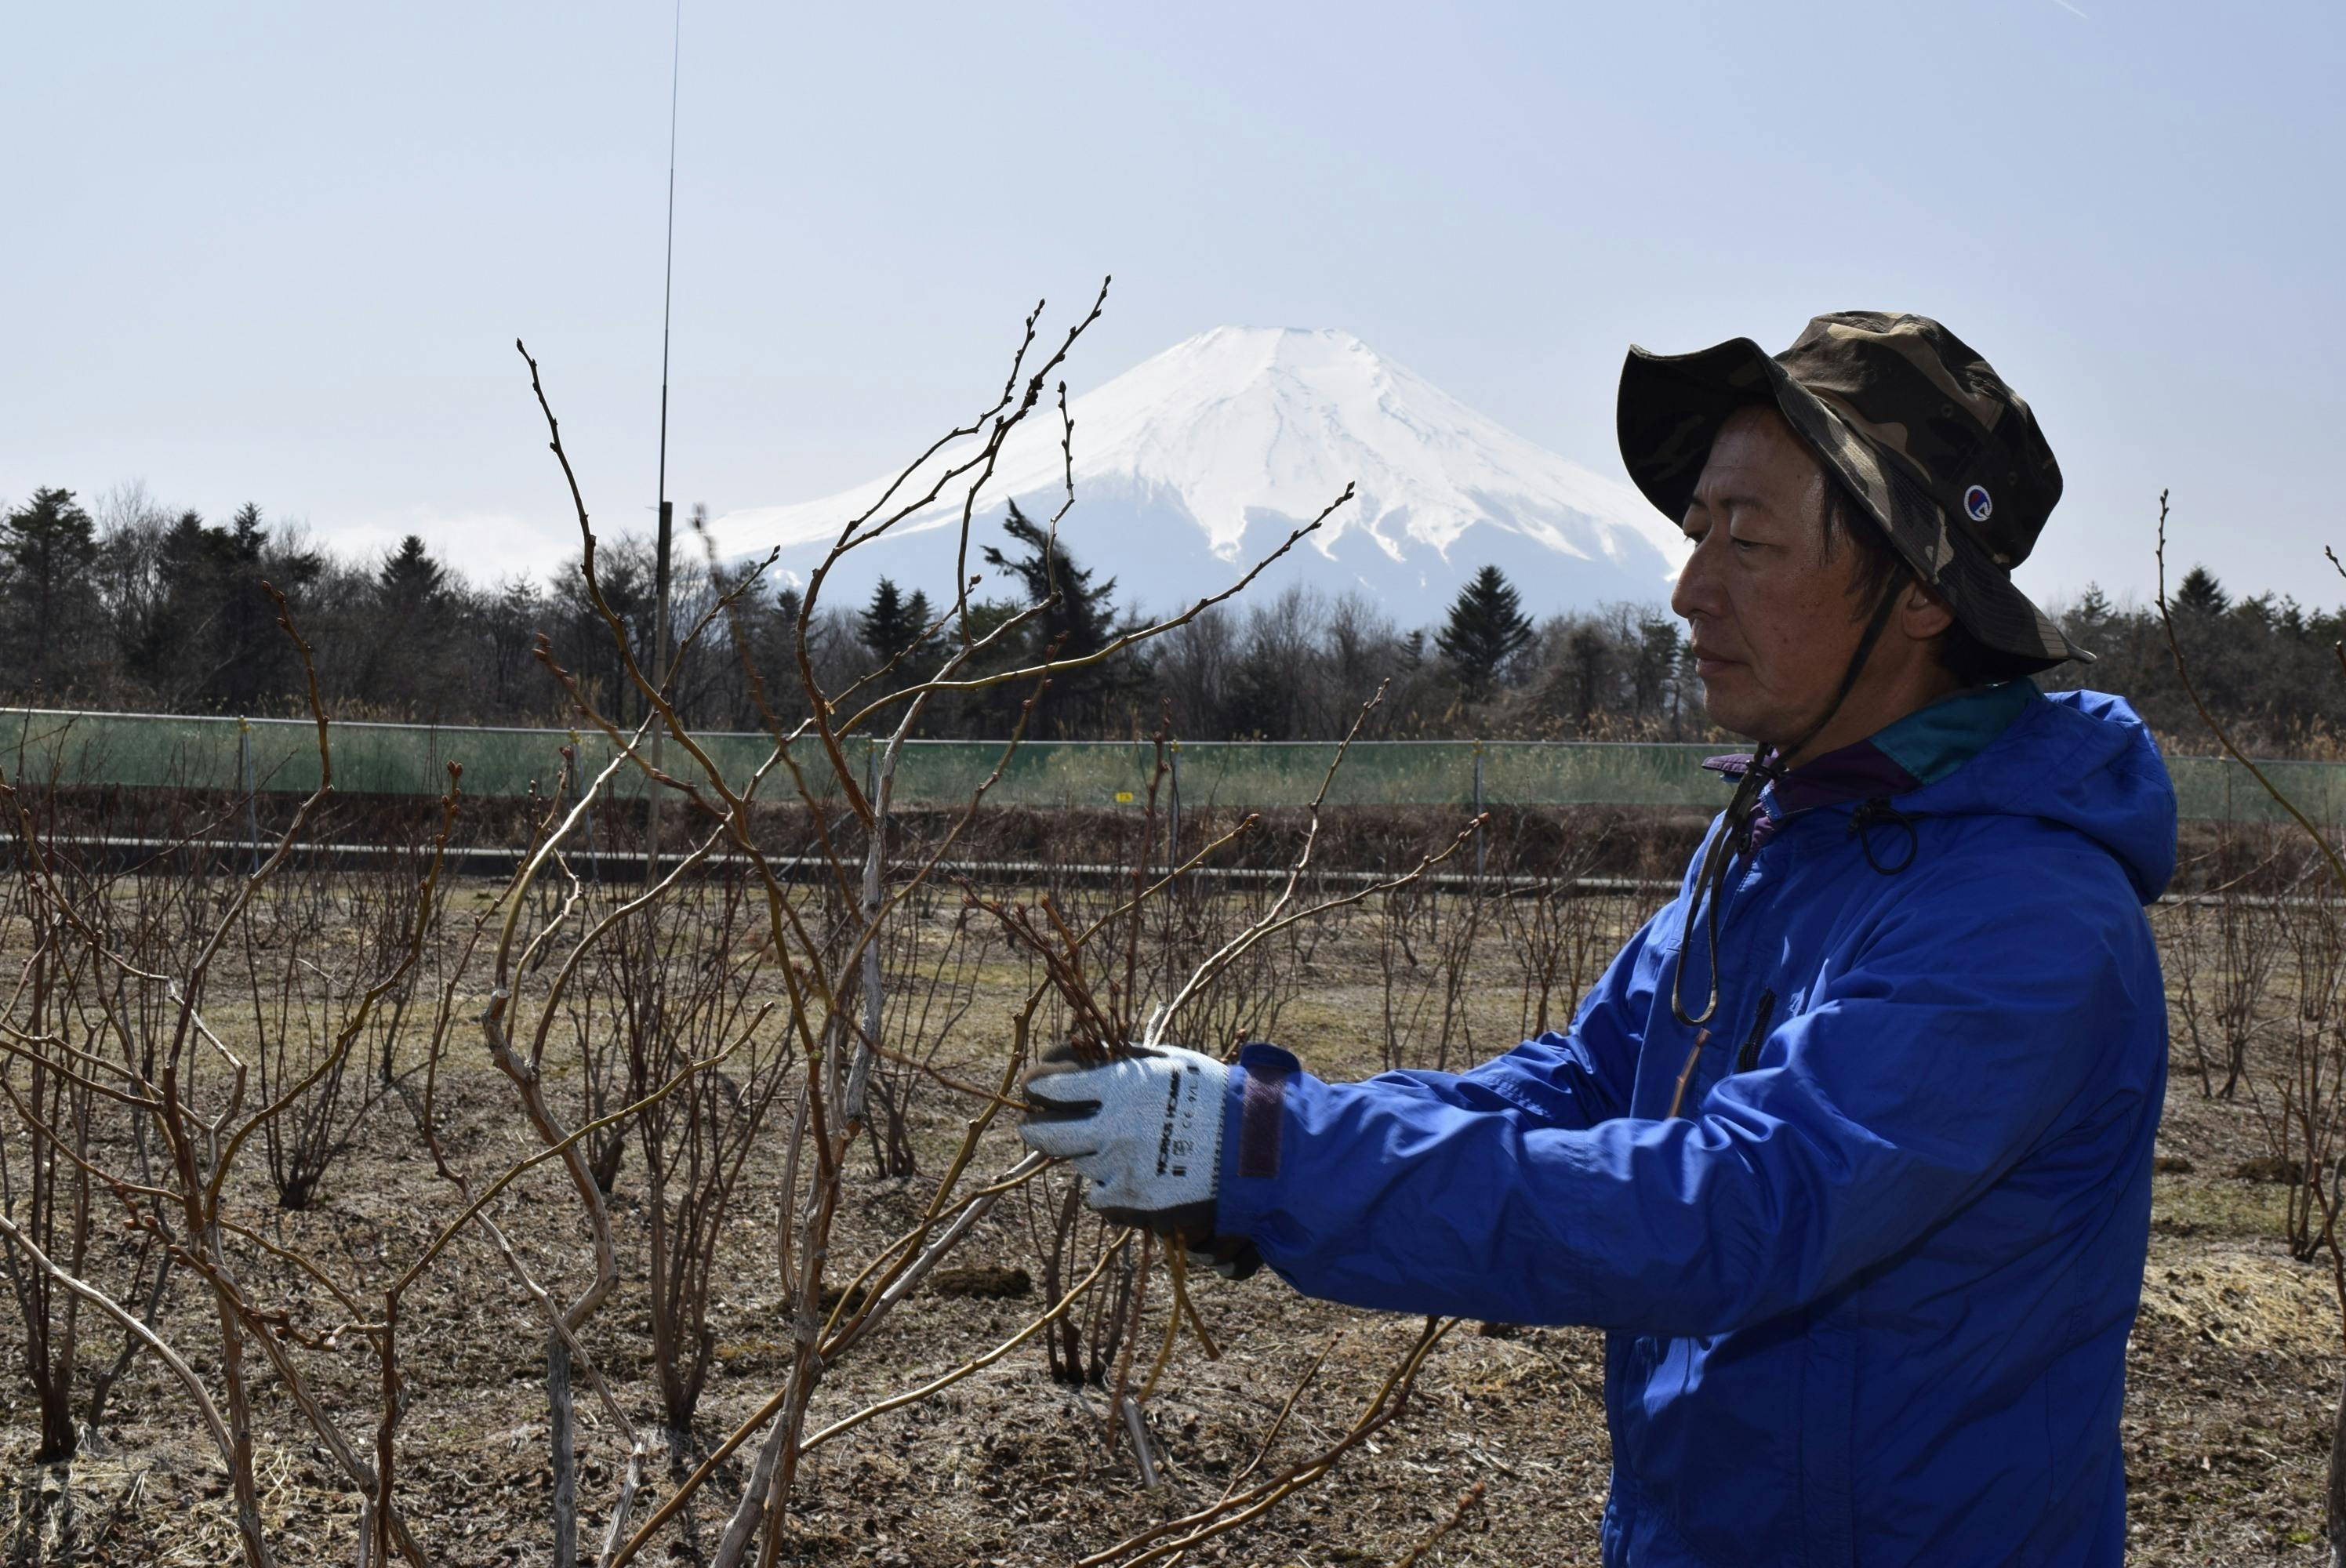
(1263, 1073)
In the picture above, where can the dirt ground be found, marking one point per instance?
(2234, 1373)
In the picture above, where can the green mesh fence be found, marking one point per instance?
(280, 756)
(151, 751)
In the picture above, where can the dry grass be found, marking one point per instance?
(2233, 1375)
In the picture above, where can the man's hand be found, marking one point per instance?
(1147, 1128)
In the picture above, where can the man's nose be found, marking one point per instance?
(1696, 592)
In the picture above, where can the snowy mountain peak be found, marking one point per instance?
(1242, 433)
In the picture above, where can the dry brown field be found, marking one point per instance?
(2234, 1371)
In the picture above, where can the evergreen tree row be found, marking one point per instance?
(143, 607)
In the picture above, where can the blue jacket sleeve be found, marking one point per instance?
(1962, 1033)
(1573, 1080)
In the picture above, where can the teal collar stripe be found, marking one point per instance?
(1933, 742)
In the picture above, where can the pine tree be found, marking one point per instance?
(771, 629)
(247, 618)
(47, 549)
(410, 581)
(1487, 627)
(920, 615)
(167, 648)
(1084, 617)
(213, 642)
(892, 622)
(409, 663)
(1656, 661)
(1080, 619)
(1591, 666)
(2201, 594)
(929, 646)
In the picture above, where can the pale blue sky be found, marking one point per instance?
(281, 252)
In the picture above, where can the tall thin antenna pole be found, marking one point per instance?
(666, 507)
(668, 284)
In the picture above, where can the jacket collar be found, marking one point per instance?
(1922, 748)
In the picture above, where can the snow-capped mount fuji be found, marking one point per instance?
(1192, 465)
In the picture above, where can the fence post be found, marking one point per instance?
(574, 770)
(1481, 836)
(1173, 818)
(875, 867)
(244, 781)
(652, 801)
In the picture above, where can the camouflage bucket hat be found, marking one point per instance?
(1943, 455)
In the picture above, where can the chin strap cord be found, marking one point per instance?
(1732, 837)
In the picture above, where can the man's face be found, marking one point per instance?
(1772, 618)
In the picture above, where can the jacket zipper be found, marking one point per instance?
(1748, 1057)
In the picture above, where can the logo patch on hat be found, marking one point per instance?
(1978, 503)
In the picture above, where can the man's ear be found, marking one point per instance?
(1923, 613)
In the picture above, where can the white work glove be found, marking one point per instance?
(1147, 1128)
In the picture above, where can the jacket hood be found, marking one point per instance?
(2084, 760)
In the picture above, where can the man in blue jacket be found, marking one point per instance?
(1850, 1150)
